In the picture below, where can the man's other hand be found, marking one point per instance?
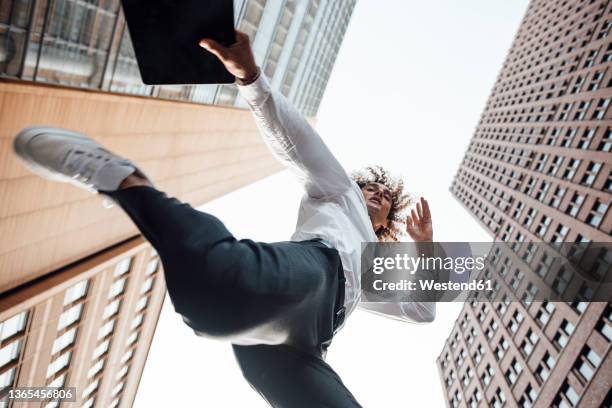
(237, 58)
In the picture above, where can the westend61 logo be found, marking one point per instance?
(499, 271)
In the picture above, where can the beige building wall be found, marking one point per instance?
(193, 152)
(89, 326)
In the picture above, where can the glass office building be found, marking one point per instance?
(86, 44)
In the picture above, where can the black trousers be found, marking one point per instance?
(289, 294)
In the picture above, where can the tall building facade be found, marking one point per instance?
(80, 292)
(88, 326)
(539, 169)
(87, 45)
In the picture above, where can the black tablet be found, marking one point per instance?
(166, 33)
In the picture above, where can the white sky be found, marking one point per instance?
(407, 91)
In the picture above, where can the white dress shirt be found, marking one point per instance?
(333, 207)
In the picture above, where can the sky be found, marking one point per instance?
(407, 90)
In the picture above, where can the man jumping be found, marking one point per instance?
(279, 304)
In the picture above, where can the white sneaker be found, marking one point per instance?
(65, 156)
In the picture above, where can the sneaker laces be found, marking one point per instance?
(83, 165)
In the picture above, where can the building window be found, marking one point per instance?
(499, 399)
(529, 343)
(13, 325)
(563, 333)
(546, 310)
(475, 399)
(540, 162)
(10, 352)
(606, 141)
(106, 329)
(152, 266)
(597, 213)
(121, 373)
(587, 364)
(101, 349)
(146, 286)
(604, 326)
(515, 321)
(7, 378)
(467, 376)
(456, 400)
(142, 303)
(58, 364)
(544, 265)
(450, 378)
(487, 374)
(122, 267)
(478, 354)
(579, 307)
(64, 341)
(531, 213)
(89, 403)
(586, 138)
(530, 293)
(517, 277)
(546, 365)
(76, 292)
(591, 174)
(543, 226)
(600, 109)
(503, 306)
(529, 187)
(578, 249)
(127, 356)
(562, 280)
(117, 288)
(70, 316)
(594, 85)
(58, 382)
(137, 321)
(602, 263)
(571, 168)
(501, 348)
(528, 397)
(111, 309)
(565, 109)
(490, 332)
(574, 205)
(133, 337)
(567, 397)
(581, 110)
(518, 209)
(90, 388)
(555, 165)
(542, 190)
(95, 369)
(513, 372)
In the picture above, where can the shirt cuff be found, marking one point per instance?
(257, 91)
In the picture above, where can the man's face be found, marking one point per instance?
(378, 199)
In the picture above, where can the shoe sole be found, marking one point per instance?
(20, 146)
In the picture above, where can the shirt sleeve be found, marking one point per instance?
(411, 312)
(293, 141)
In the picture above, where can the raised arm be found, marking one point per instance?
(285, 131)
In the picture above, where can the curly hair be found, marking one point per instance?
(400, 199)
